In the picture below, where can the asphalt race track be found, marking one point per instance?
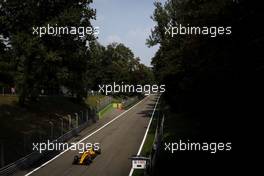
(118, 141)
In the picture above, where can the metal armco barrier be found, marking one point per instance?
(156, 147)
(28, 160)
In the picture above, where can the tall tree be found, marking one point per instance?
(47, 62)
(201, 72)
(115, 63)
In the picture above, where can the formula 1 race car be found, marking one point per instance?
(86, 157)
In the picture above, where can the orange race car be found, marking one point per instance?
(86, 157)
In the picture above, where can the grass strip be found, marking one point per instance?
(105, 110)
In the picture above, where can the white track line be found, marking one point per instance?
(145, 136)
(44, 164)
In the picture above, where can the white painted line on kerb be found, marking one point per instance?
(145, 136)
(108, 123)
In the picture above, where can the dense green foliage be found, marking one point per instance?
(50, 61)
(204, 75)
(213, 85)
(117, 63)
(77, 64)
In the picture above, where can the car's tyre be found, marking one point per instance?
(89, 160)
(98, 151)
(75, 159)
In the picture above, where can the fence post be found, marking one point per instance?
(76, 119)
(87, 118)
(82, 117)
(39, 133)
(69, 116)
(2, 153)
(51, 129)
(61, 126)
(24, 143)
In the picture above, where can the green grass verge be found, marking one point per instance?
(147, 147)
(138, 172)
(105, 110)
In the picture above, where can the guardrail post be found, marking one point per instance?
(82, 117)
(69, 120)
(87, 118)
(2, 152)
(39, 133)
(24, 142)
(51, 129)
(76, 120)
(61, 126)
